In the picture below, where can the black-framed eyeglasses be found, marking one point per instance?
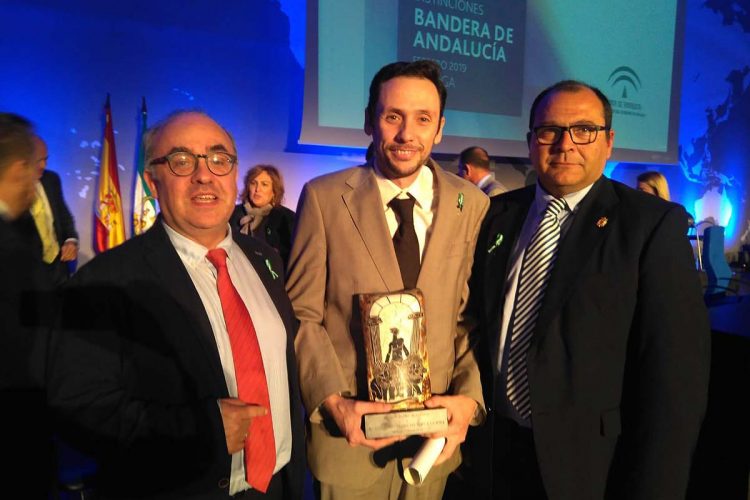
(547, 135)
(184, 163)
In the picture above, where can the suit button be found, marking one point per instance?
(224, 483)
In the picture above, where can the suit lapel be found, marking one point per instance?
(502, 233)
(582, 239)
(47, 181)
(445, 222)
(272, 278)
(167, 268)
(365, 208)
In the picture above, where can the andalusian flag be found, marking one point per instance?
(109, 223)
(144, 208)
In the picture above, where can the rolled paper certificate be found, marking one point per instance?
(423, 461)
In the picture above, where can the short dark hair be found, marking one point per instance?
(572, 86)
(277, 183)
(476, 156)
(16, 139)
(429, 70)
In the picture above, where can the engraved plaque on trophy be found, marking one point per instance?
(398, 370)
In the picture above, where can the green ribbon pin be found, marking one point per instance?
(270, 268)
(460, 204)
(498, 241)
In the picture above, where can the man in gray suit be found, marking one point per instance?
(343, 247)
(474, 166)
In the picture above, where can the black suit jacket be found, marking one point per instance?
(25, 435)
(275, 229)
(619, 360)
(135, 374)
(64, 225)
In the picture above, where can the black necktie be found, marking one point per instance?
(405, 241)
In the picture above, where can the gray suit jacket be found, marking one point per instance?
(342, 248)
(493, 187)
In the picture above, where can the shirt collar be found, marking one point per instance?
(421, 189)
(542, 198)
(484, 180)
(194, 253)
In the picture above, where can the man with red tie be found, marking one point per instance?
(174, 365)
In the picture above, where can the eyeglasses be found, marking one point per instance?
(547, 135)
(184, 163)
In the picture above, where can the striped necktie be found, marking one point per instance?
(260, 447)
(538, 261)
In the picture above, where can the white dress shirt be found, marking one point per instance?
(565, 217)
(268, 326)
(425, 194)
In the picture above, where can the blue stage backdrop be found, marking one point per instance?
(243, 62)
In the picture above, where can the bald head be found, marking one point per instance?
(196, 204)
(178, 117)
(474, 164)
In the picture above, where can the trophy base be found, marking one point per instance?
(405, 423)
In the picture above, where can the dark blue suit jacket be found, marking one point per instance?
(619, 360)
(135, 374)
(64, 226)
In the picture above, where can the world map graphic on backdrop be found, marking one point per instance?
(716, 158)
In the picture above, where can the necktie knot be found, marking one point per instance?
(555, 206)
(217, 257)
(403, 208)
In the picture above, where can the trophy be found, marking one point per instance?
(398, 371)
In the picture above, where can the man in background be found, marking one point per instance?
(49, 225)
(474, 166)
(25, 434)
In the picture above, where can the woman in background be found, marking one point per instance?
(261, 213)
(654, 183)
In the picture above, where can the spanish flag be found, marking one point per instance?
(109, 223)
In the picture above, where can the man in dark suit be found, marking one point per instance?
(25, 435)
(593, 336)
(175, 364)
(48, 225)
(474, 166)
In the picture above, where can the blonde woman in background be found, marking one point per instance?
(653, 183)
(261, 213)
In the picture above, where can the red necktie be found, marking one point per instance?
(260, 448)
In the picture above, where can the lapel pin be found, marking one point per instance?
(602, 222)
(270, 268)
(498, 241)
(460, 204)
